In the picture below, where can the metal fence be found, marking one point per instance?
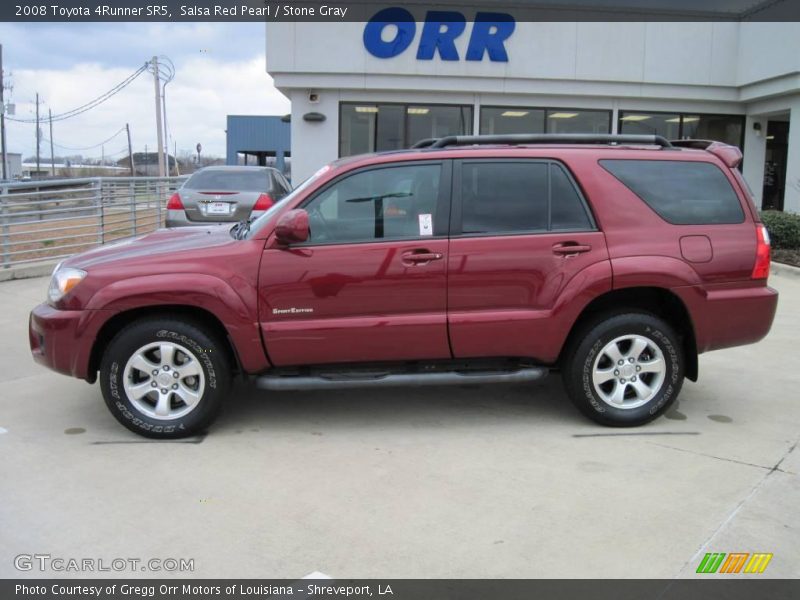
(52, 219)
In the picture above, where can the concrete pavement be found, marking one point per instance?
(505, 481)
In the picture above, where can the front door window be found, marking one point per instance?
(392, 203)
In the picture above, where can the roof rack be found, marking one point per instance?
(427, 142)
(543, 138)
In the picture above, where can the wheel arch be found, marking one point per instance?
(195, 314)
(660, 302)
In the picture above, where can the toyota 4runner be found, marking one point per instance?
(468, 259)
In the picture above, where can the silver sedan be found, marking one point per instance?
(225, 194)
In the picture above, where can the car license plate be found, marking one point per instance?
(218, 208)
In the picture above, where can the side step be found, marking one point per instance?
(345, 380)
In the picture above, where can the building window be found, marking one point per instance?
(667, 125)
(357, 129)
(578, 121)
(366, 127)
(437, 121)
(682, 126)
(723, 128)
(496, 120)
(516, 119)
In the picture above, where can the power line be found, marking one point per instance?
(93, 103)
(103, 143)
(117, 153)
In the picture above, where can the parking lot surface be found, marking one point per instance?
(465, 482)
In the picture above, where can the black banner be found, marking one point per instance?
(363, 10)
(733, 588)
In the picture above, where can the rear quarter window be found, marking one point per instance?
(680, 192)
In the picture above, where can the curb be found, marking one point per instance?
(41, 269)
(782, 269)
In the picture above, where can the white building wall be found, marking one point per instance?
(729, 68)
(767, 50)
(674, 53)
(755, 151)
(791, 198)
(313, 144)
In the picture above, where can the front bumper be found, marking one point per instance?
(62, 339)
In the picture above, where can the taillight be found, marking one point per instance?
(264, 202)
(175, 202)
(761, 268)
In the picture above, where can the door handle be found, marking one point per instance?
(568, 248)
(422, 257)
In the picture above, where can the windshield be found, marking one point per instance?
(264, 218)
(233, 180)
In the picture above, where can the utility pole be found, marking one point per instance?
(166, 131)
(3, 115)
(38, 136)
(52, 154)
(130, 151)
(157, 84)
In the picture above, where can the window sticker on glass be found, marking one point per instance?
(425, 224)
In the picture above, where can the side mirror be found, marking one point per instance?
(292, 227)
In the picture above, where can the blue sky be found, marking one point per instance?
(220, 70)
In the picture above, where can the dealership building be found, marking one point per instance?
(384, 85)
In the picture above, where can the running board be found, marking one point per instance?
(343, 380)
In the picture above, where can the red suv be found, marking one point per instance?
(467, 259)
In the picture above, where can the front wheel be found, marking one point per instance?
(165, 378)
(624, 370)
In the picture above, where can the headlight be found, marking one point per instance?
(62, 281)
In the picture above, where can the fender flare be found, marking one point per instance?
(235, 309)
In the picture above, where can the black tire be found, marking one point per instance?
(592, 339)
(205, 347)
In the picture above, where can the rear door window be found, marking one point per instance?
(680, 192)
(505, 197)
(567, 210)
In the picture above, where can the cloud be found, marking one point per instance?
(210, 83)
(62, 45)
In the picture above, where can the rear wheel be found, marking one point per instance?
(624, 369)
(165, 378)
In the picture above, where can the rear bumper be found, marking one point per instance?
(727, 317)
(179, 218)
(62, 339)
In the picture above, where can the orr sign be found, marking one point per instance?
(392, 30)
